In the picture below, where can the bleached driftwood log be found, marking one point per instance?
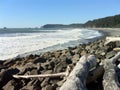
(77, 78)
(45, 75)
(111, 39)
(116, 49)
(110, 80)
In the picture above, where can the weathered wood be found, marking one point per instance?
(94, 74)
(111, 39)
(115, 58)
(77, 78)
(110, 79)
(116, 49)
(45, 75)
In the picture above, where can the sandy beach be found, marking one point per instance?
(109, 31)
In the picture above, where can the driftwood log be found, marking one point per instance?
(116, 49)
(65, 74)
(110, 80)
(77, 78)
(111, 39)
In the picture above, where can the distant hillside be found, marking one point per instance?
(61, 26)
(111, 21)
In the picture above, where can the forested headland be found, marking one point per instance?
(106, 22)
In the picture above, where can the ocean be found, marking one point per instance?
(18, 42)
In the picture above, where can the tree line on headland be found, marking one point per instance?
(107, 22)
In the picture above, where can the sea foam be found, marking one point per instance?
(15, 44)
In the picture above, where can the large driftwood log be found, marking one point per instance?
(110, 80)
(111, 39)
(77, 78)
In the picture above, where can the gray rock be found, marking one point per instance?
(83, 53)
(68, 61)
(57, 54)
(6, 76)
(45, 82)
(39, 60)
(46, 66)
(63, 57)
(64, 51)
(60, 83)
(48, 87)
(8, 62)
(32, 85)
(27, 68)
(110, 54)
(118, 44)
(68, 54)
(77, 50)
(46, 71)
(60, 67)
(75, 58)
(47, 55)
(9, 86)
(52, 64)
(95, 47)
(88, 47)
(92, 51)
(34, 72)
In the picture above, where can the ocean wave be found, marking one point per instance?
(12, 46)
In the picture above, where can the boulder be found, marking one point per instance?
(83, 52)
(75, 58)
(45, 82)
(60, 67)
(57, 54)
(118, 44)
(48, 87)
(60, 83)
(9, 86)
(32, 85)
(110, 54)
(63, 57)
(88, 47)
(39, 60)
(6, 76)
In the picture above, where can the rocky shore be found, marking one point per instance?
(52, 62)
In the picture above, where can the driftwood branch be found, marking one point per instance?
(45, 75)
(111, 39)
(110, 80)
(77, 78)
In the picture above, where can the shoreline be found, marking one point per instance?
(108, 31)
(104, 31)
(58, 46)
(53, 62)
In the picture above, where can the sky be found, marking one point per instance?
(34, 13)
